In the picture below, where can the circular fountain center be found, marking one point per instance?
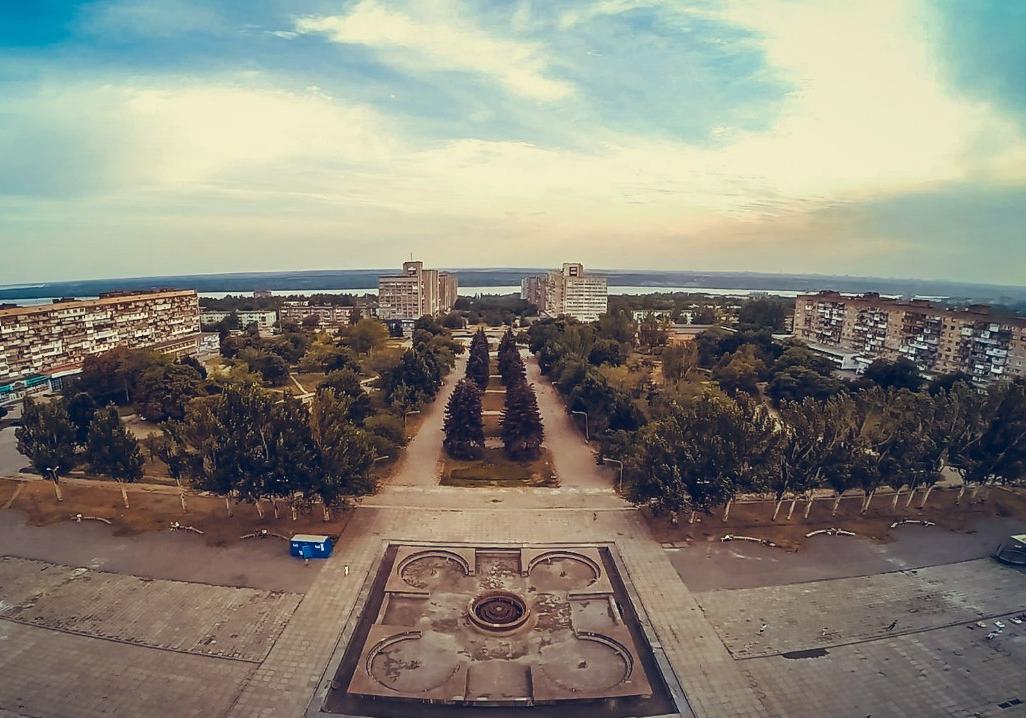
(498, 612)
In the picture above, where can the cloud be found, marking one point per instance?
(442, 40)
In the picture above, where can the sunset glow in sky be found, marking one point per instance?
(142, 137)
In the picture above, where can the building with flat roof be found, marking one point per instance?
(568, 291)
(938, 339)
(416, 292)
(41, 344)
(264, 319)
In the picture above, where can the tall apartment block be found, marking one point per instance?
(568, 291)
(416, 292)
(41, 344)
(938, 339)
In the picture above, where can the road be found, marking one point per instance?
(11, 462)
(419, 463)
(574, 459)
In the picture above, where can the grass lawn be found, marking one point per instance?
(495, 469)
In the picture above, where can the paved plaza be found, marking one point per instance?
(165, 626)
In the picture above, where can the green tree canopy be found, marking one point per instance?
(463, 426)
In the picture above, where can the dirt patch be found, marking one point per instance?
(155, 511)
(755, 519)
(496, 469)
(493, 401)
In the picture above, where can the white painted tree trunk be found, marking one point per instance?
(869, 498)
(926, 496)
(894, 503)
(790, 511)
(776, 510)
(976, 490)
(726, 511)
(837, 502)
(181, 495)
(57, 490)
(260, 509)
(960, 494)
(274, 505)
(911, 494)
(808, 506)
(294, 514)
(228, 505)
(124, 494)
(691, 519)
(327, 512)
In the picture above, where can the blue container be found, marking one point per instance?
(310, 546)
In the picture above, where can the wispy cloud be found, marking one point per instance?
(442, 40)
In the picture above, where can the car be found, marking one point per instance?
(1012, 551)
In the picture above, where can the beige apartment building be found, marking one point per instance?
(41, 344)
(264, 319)
(938, 339)
(568, 291)
(416, 292)
(328, 315)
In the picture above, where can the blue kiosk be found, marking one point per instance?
(310, 546)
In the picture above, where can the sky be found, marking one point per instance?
(149, 137)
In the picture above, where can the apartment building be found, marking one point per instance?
(41, 344)
(568, 291)
(937, 339)
(416, 292)
(328, 315)
(264, 319)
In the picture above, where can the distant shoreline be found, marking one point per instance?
(359, 281)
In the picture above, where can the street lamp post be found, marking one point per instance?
(587, 436)
(619, 485)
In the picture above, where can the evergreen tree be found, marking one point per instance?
(46, 437)
(478, 365)
(522, 431)
(464, 426)
(113, 450)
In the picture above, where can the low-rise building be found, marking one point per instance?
(264, 319)
(39, 345)
(937, 339)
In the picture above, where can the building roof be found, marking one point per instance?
(103, 301)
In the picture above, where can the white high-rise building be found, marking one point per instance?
(568, 291)
(416, 292)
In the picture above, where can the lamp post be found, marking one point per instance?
(619, 484)
(587, 436)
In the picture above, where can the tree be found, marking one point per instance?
(46, 437)
(463, 426)
(740, 371)
(112, 450)
(899, 374)
(763, 313)
(653, 332)
(273, 369)
(993, 448)
(168, 447)
(808, 439)
(191, 361)
(607, 351)
(81, 408)
(346, 452)
(703, 454)
(679, 360)
(454, 320)
(163, 391)
(346, 382)
(367, 334)
(478, 362)
(324, 355)
(797, 383)
(522, 431)
(705, 315)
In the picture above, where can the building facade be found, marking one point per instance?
(568, 291)
(937, 339)
(328, 315)
(264, 319)
(416, 292)
(41, 344)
